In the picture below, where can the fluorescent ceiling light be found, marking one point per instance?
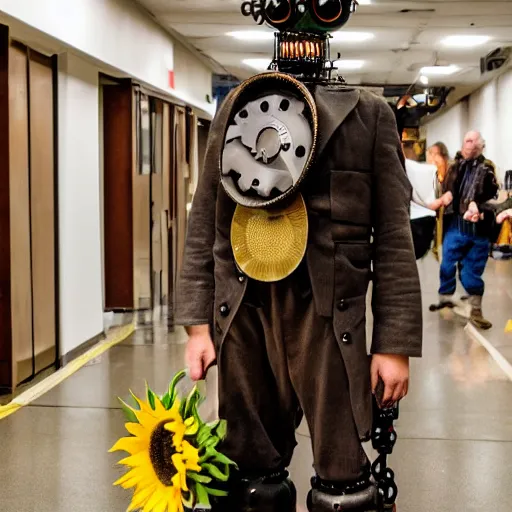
(364, 2)
(465, 41)
(348, 64)
(439, 70)
(352, 37)
(252, 35)
(257, 64)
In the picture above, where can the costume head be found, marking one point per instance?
(269, 144)
(302, 41)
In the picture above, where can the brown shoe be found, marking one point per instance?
(477, 317)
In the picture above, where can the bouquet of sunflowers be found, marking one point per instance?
(173, 460)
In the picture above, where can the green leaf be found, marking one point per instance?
(192, 400)
(203, 435)
(222, 429)
(212, 453)
(199, 478)
(128, 411)
(212, 442)
(166, 401)
(151, 397)
(203, 500)
(188, 501)
(213, 424)
(216, 492)
(172, 386)
(216, 472)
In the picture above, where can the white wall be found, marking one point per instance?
(81, 305)
(119, 34)
(483, 116)
(488, 110)
(449, 128)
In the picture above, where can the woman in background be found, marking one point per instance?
(438, 155)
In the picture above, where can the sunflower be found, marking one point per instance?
(172, 458)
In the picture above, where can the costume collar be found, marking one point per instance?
(334, 104)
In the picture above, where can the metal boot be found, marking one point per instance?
(269, 493)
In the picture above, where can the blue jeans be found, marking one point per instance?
(470, 253)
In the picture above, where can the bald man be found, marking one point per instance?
(472, 182)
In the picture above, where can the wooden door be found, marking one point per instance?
(42, 202)
(28, 273)
(166, 200)
(20, 214)
(119, 156)
(182, 179)
(142, 205)
(6, 355)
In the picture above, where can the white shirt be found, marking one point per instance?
(422, 177)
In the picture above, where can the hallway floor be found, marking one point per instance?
(454, 450)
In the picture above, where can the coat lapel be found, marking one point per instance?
(335, 103)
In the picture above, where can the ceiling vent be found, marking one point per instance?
(495, 60)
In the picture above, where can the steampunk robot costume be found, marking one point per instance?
(302, 202)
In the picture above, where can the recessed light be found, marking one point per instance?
(439, 70)
(352, 37)
(348, 64)
(252, 35)
(258, 64)
(465, 41)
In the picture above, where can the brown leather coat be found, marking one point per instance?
(358, 198)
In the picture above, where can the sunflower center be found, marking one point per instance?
(161, 450)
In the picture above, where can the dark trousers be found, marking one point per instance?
(468, 252)
(280, 360)
(422, 235)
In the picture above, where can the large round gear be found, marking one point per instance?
(270, 141)
(267, 146)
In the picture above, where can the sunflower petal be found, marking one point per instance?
(140, 459)
(131, 479)
(137, 430)
(140, 497)
(131, 445)
(156, 498)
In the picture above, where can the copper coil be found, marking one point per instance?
(318, 52)
(308, 49)
(297, 51)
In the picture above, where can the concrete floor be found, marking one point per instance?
(455, 431)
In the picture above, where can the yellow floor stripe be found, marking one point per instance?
(114, 338)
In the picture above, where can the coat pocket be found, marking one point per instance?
(352, 270)
(351, 197)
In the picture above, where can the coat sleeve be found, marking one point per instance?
(489, 188)
(396, 301)
(196, 284)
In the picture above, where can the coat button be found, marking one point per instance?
(346, 338)
(224, 309)
(342, 305)
(241, 278)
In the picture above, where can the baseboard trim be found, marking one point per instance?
(81, 349)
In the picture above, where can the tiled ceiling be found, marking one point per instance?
(407, 35)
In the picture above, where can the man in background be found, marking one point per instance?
(472, 182)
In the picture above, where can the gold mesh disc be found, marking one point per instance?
(269, 245)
